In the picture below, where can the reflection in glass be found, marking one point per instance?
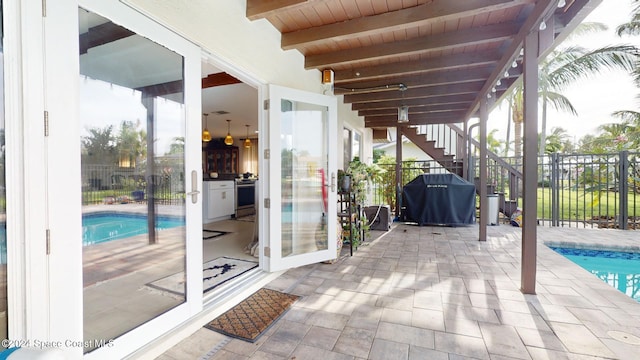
(346, 145)
(356, 146)
(3, 202)
(132, 155)
(304, 168)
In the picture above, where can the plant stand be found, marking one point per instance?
(350, 216)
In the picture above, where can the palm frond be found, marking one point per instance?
(627, 116)
(631, 28)
(587, 28)
(622, 57)
(559, 102)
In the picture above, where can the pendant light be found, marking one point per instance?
(206, 135)
(228, 139)
(403, 110)
(247, 142)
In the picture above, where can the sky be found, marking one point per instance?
(597, 97)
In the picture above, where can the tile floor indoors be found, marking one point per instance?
(438, 293)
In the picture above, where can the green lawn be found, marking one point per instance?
(585, 205)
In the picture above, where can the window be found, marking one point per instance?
(351, 141)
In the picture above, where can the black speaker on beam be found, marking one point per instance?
(379, 216)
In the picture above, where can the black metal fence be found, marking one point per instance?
(590, 190)
(113, 184)
(574, 190)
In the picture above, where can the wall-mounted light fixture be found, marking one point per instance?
(327, 76)
(228, 139)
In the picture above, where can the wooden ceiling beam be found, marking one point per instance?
(258, 9)
(171, 87)
(444, 118)
(436, 100)
(219, 79)
(449, 62)
(418, 92)
(416, 117)
(421, 15)
(411, 81)
(456, 39)
(541, 8)
(174, 87)
(416, 109)
(102, 34)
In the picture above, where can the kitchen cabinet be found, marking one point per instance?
(219, 200)
(221, 160)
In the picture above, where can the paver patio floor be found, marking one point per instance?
(438, 293)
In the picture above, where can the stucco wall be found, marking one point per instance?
(253, 47)
(409, 151)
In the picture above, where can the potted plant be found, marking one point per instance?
(344, 181)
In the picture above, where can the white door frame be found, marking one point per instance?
(23, 155)
(275, 261)
(64, 298)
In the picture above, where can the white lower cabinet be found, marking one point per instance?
(219, 201)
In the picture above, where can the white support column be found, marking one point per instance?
(484, 206)
(530, 164)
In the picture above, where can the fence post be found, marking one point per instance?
(623, 190)
(555, 189)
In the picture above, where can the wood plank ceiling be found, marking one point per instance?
(438, 57)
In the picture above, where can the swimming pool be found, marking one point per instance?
(106, 226)
(618, 269)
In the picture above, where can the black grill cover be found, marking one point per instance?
(443, 199)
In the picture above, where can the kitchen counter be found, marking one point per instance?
(221, 177)
(219, 199)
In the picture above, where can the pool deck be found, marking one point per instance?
(438, 293)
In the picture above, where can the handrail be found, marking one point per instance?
(491, 154)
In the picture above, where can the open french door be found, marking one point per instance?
(301, 209)
(112, 73)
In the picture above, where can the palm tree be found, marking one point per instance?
(633, 26)
(613, 137)
(177, 146)
(631, 120)
(563, 67)
(556, 141)
(99, 147)
(493, 144)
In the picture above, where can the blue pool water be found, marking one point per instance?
(102, 227)
(105, 226)
(618, 269)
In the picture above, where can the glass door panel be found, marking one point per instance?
(132, 116)
(302, 141)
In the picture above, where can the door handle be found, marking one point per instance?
(194, 187)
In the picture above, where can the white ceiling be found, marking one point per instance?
(239, 100)
(105, 60)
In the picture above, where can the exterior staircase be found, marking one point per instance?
(454, 163)
(431, 148)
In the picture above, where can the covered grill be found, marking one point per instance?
(442, 199)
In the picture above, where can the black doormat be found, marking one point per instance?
(210, 234)
(254, 315)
